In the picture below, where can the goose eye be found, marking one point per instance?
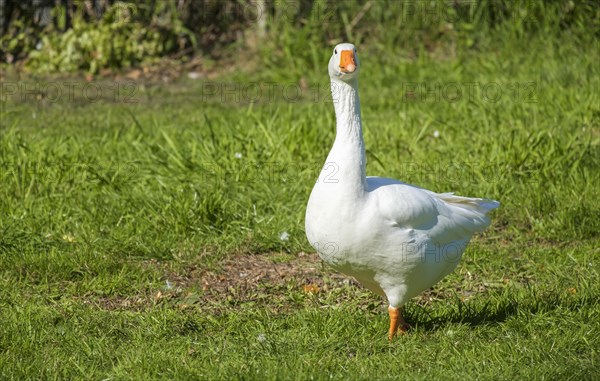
(355, 51)
(335, 51)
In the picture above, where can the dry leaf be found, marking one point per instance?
(134, 74)
(311, 288)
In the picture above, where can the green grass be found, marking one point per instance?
(104, 202)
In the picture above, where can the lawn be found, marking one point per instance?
(156, 231)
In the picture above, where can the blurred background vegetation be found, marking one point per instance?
(45, 36)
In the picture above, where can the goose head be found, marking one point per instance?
(344, 64)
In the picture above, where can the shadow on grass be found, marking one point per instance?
(496, 310)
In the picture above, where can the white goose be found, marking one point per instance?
(394, 238)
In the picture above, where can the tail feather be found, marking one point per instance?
(468, 215)
(481, 205)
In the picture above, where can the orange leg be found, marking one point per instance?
(397, 323)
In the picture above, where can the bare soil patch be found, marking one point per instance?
(276, 281)
(245, 271)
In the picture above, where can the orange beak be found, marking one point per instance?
(347, 63)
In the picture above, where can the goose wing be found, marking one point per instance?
(443, 217)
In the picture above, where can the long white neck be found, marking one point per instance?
(348, 151)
